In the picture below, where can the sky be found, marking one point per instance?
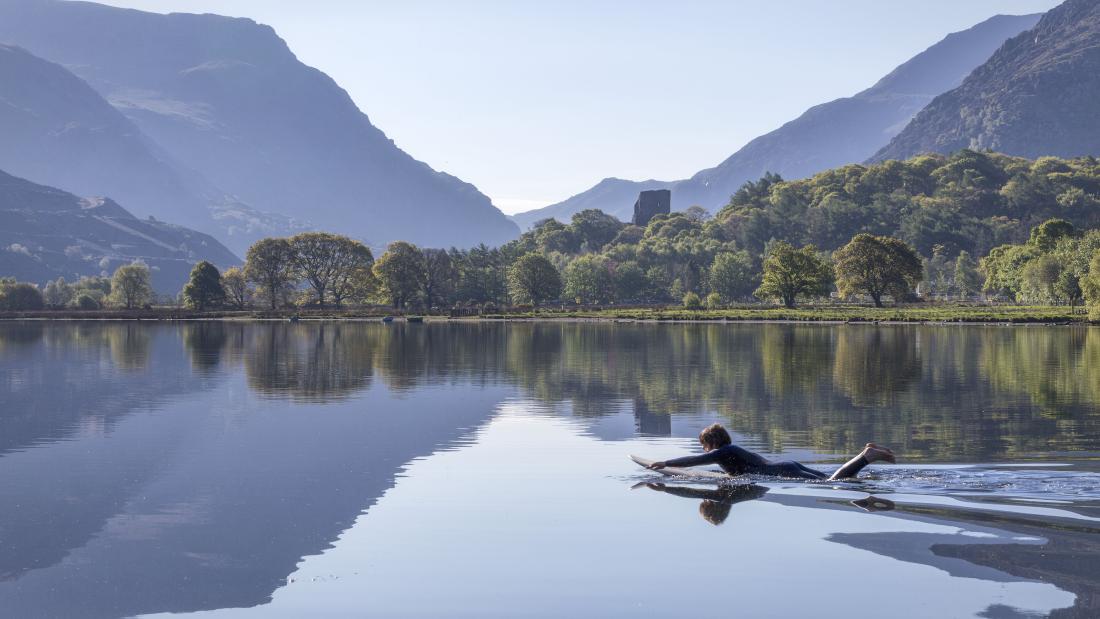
(535, 101)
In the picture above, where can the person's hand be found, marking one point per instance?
(656, 486)
(656, 466)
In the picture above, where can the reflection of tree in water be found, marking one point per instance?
(312, 362)
(206, 341)
(945, 392)
(875, 367)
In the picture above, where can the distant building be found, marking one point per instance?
(650, 204)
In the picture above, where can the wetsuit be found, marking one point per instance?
(740, 461)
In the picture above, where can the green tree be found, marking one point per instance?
(1039, 280)
(877, 266)
(967, 280)
(588, 280)
(19, 296)
(58, 293)
(1068, 287)
(731, 275)
(790, 273)
(400, 273)
(692, 301)
(131, 286)
(328, 263)
(1090, 286)
(533, 279)
(238, 292)
(440, 275)
(203, 289)
(270, 266)
(593, 229)
(630, 282)
(1046, 235)
(713, 301)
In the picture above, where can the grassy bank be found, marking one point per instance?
(915, 313)
(837, 313)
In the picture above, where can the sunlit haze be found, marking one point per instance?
(533, 102)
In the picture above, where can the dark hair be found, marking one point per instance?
(714, 512)
(715, 436)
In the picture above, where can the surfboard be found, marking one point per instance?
(672, 471)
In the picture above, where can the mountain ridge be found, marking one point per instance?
(827, 135)
(1034, 97)
(227, 98)
(47, 233)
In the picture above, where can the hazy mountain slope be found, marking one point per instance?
(829, 135)
(46, 233)
(1036, 96)
(58, 130)
(227, 98)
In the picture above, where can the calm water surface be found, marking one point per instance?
(480, 470)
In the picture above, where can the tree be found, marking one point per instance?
(58, 293)
(877, 266)
(731, 275)
(593, 229)
(588, 280)
(440, 275)
(1068, 287)
(131, 286)
(204, 289)
(630, 282)
(1090, 286)
(270, 265)
(967, 280)
(533, 279)
(1039, 280)
(1046, 235)
(327, 262)
(400, 273)
(790, 273)
(19, 296)
(692, 301)
(238, 292)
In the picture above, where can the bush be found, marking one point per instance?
(21, 297)
(714, 301)
(692, 301)
(86, 302)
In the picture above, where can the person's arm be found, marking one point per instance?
(709, 457)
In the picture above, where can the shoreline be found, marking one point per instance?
(859, 315)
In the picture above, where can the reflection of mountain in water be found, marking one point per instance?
(123, 484)
(207, 501)
(1012, 547)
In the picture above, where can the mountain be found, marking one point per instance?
(59, 131)
(227, 99)
(829, 135)
(1036, 96)
(46, 233)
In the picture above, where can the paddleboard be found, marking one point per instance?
(672, 471)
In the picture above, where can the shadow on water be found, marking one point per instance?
(219, 454)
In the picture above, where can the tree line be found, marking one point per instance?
(886, 232)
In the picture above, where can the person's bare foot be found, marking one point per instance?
(875, 453)
(874, 504)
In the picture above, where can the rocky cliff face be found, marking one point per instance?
(840, 132)
(46, 233)
(227, 99)
(1036, 96)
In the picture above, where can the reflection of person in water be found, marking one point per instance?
(716, 503)
(736, 460)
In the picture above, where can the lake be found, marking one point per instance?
(355, 469)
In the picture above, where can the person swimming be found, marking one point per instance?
(719, 449)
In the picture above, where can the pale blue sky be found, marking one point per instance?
(534, 101)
